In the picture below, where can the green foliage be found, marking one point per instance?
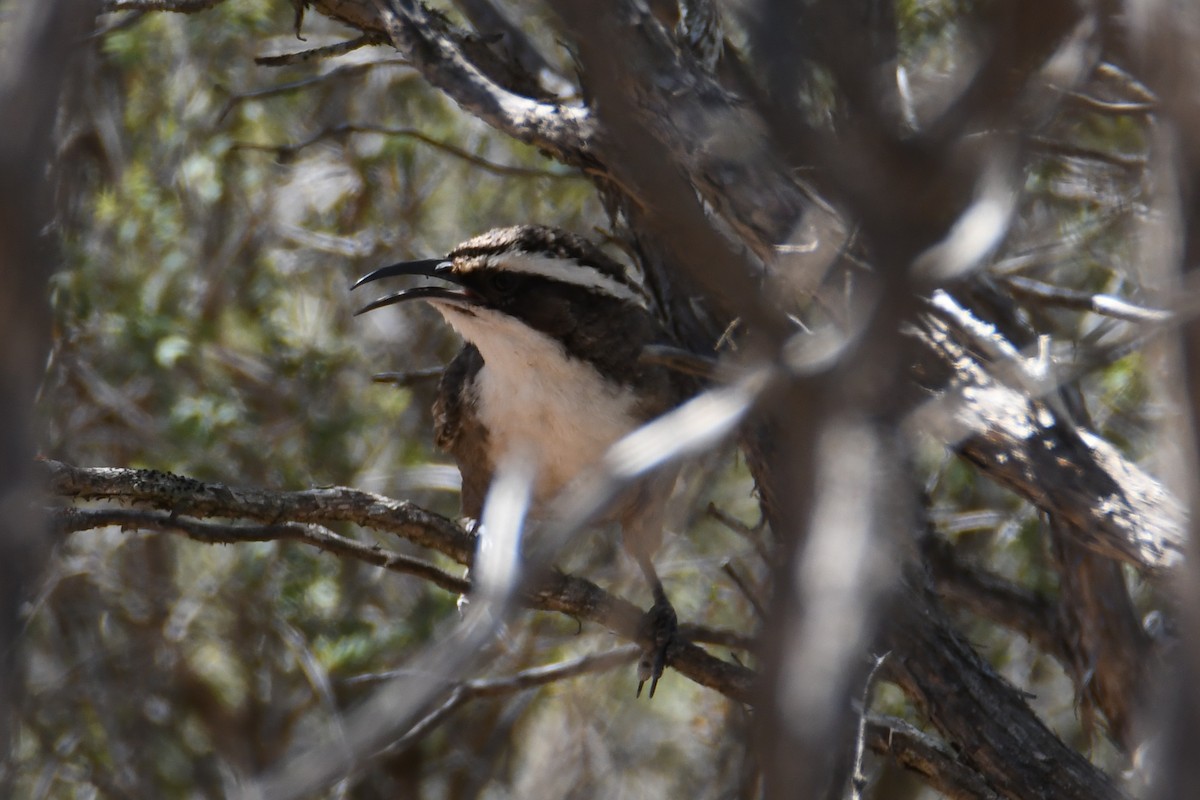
(203, 326)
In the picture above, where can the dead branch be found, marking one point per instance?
(181, 495)
(173, 6)
(368, 39)
(73, 520)
(562, 131)
(524, 680)
(929, 757)
(957, 689)
(1015, 437)
(180, 503)
(287, 151)
(1015, 607)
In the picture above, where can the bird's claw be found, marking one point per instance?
(656, 632)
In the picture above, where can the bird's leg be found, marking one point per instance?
(656, 631)
(474, 527)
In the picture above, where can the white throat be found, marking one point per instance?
(533, 396)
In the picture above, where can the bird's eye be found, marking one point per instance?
(503, 282)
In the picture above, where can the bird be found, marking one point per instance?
(551, 367)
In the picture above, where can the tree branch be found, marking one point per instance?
(343, 129)
(345, 70)
(932, 759)
(565, 132)
(1015, 437)
(714, 139)
(40, 42)
(492, 21)
(532, 678)
(72, 520)
(301, 516)
(1109, 652)
(1032, 615)
(174, 6)
(368, 39)
(187, 496)
(1103, 304)
(958, 690)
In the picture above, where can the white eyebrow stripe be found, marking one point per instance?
(568, 270)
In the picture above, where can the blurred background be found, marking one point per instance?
(213, 220)
(212, 214)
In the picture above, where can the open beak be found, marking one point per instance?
(429, 268)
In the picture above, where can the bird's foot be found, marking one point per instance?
(463, 600)
(656, 634)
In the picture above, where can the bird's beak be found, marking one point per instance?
(429, 268)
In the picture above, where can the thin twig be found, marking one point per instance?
(368, 39)
(858, 781)
(73, 520)
(286, 151)
(992, 597)
(750, 596)
(1111, 107)
(531, 678)
(172, 6)
(181, 495)
(550, 673)
(929, 757)
(1071, 150)
(1132, 84)
(752, 534)
(1103, 304)
(178, 500)
(344, 70)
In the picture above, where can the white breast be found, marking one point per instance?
(535, 398)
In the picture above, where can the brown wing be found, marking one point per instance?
(457, 429)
